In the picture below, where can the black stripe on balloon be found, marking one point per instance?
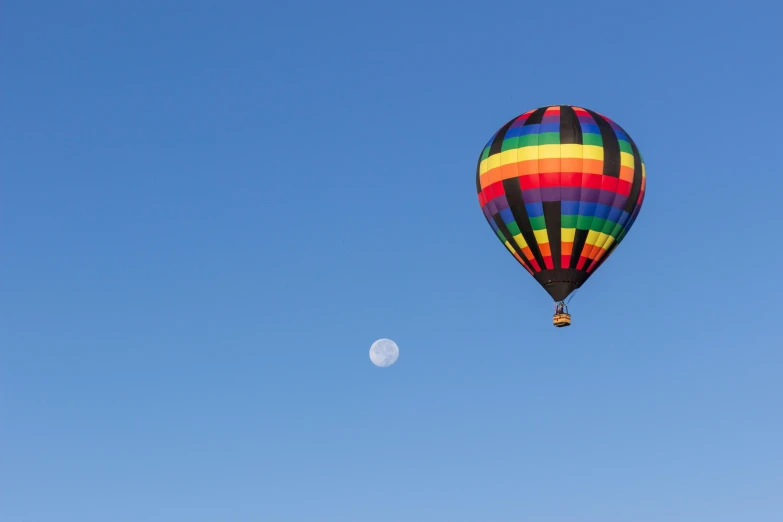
(478, 173)
(552, 219)
(497, 143)
(580, 237)
(636, 184)
(516, 204)
(570, 132)
(536, 117)
(611, 145)
(507, 234)
(570, 129)
(478, 170)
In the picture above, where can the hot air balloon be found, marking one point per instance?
(561, 186)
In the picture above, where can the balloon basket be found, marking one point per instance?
(561, 320)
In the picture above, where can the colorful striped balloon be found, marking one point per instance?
(561, 186)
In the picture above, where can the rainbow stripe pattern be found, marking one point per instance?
(561, 187)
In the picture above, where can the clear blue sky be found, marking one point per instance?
(211, 210)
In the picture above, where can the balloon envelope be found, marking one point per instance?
(561, 187)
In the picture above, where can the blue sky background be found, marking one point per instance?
(210, 210)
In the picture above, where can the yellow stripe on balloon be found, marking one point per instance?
(541, 236)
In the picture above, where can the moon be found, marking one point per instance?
(384, 352)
